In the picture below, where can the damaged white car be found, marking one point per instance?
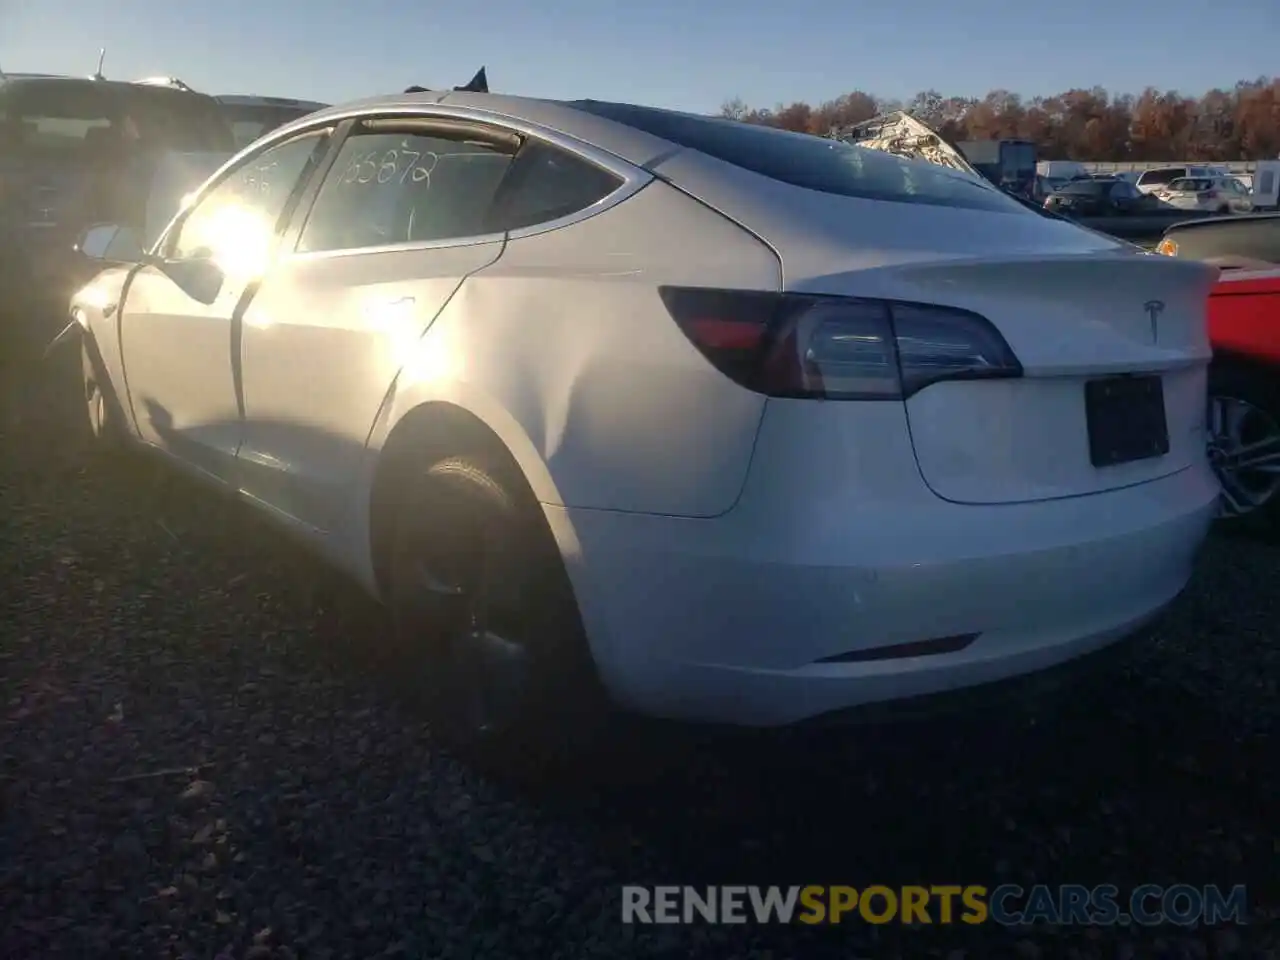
(714, 421)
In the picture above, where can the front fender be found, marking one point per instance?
(98, 307)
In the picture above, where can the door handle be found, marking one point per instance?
(385, 313)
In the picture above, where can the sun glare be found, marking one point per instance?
(238, 238)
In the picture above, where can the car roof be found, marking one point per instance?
(558, 116)
(122, 87)
(249, 100)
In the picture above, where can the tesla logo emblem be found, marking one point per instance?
(1154, 308)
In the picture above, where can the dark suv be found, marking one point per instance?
(74, 151)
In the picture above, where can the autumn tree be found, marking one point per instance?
(1078, 124)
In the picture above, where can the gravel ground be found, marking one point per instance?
(198, 758)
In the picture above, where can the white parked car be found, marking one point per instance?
(1213, 194)
(731, 423)
(1149, 181)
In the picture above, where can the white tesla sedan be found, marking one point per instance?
(724, 422)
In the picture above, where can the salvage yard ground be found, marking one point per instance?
(198, 757)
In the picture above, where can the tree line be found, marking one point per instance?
(1242, 123)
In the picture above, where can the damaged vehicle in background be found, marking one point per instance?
(1007, 164)
(1244, 379)
(574, 483)
(74, 151)
(1244, 397)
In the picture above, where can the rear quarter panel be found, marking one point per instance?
(565, 349)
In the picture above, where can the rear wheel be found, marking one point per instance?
(1244, 448)
(485, 624)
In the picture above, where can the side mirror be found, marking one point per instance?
(200, 278)
(111, 242)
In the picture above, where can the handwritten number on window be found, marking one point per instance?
(411, 165)
(387, 169)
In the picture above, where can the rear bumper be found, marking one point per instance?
(1044, 691)
(730, 620)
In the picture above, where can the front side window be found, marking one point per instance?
(405, 186)
(236, 222)
(814, 163)
(547, 183)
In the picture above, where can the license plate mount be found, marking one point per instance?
(1126, 419)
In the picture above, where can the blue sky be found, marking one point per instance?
(686, 55)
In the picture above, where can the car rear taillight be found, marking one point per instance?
(837, 348)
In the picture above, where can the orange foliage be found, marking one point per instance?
(1241, 123)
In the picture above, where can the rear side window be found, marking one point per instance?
(404, 187)
(1162, 176)
(1267, 181)
(547, 183)
(813, 163)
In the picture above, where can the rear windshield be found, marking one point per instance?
(70, 119)
(1191, 185)
(814, 163)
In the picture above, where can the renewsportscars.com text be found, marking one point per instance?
(1007, 905)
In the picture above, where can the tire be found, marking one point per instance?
(1244, 414)
(486, 630)
(103, 418)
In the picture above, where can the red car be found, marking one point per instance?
(1244, 396)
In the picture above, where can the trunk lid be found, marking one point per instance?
(1071, 321)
